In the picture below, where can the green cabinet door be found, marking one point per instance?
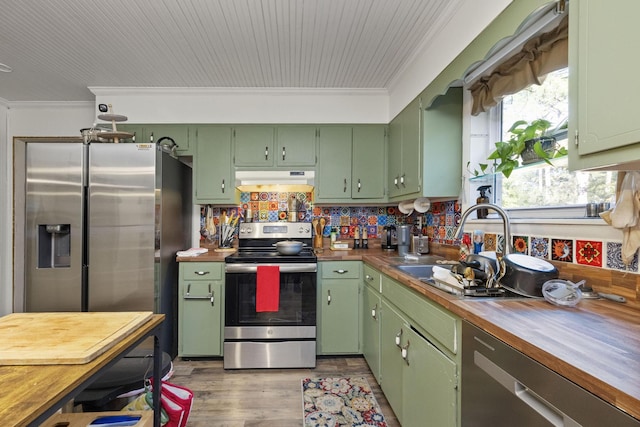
(254, 145)
(296, 146)
(411, 173)
(371, 305)
(392, 330)
(136, 129)
(602, 114)
(178, 133)
(368, 164)
(339, 307)
(405, 161)
(334, 163)
(212, 170)
(200, 309)
(429, 384)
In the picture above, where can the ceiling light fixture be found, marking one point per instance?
(5, 68)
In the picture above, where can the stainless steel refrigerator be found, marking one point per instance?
(103, 222)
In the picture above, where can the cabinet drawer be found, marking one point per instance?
(340, 269)
(372, 277)
(202, 270)
(437, 322)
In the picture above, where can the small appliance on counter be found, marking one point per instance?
(420, 244)
(389, 238)
(404, 239)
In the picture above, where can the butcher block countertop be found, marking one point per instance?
(595, 344)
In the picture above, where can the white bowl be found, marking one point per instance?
(421, 204)
(406, 207)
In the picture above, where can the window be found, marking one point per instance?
(540, 185)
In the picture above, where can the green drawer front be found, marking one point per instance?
(434, 320)
(202, 270)
(340, 269)
(372, 277)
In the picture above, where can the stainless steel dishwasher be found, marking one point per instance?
(503, 387)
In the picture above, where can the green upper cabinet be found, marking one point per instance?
(368, 162)
(604, 131)
(180, 134)
(296, 145)
(334, 163)
(212, 171)
(442, 153)
(274, 146)
(404, 173)
(351, 163)
(254, 146)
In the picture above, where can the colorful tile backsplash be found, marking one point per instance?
(439, 224)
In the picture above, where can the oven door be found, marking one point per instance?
(297, 296)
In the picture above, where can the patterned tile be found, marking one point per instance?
(478, 241)
(500, 243)
(614, 258)
(562, 250)
(589, 252)
(521, 244)
(490, 241)
(540, 247)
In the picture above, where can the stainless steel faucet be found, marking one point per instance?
(505, 222)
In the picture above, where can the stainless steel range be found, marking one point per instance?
(282, 335)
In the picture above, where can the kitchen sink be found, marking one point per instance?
(417, 270)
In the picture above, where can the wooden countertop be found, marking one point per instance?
(595, 344)
(28, 391)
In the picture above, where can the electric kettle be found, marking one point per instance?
(389, 238)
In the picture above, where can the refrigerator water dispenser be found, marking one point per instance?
(54, 245)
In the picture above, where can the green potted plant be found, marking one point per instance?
(528, 143)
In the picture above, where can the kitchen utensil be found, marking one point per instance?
(289, 247)
(612, 297)
(421, 204)
(406, 207)
(562, 293)
(525, 274)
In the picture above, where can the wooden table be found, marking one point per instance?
(31, 393)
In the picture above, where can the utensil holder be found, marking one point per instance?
(226, 236)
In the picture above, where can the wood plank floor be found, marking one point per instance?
(261, 397)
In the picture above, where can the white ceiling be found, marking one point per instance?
(58, 49)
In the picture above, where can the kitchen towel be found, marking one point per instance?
(268, 288)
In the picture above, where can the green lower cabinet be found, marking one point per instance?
(200, 313)
(429, 384)
(371, 304)
(339, 308)
(392, 329)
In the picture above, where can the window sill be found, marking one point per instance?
(560, 221)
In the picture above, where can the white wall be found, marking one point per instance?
(28, 119)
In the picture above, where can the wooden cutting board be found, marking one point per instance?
(63, 338)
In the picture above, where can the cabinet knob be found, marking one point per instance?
(201, 273)
(374, 312)
(222, 186)
(402, 180)
(329, 297)
(369, 278)
(344, 190)
(395, 182)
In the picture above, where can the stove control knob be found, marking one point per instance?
(303, 229)
(245, 229)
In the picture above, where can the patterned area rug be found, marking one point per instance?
(338, 402)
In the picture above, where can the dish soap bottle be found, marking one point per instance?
(482, 213)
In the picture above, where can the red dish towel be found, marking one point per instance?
(268, 288)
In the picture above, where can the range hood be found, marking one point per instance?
(260, 180)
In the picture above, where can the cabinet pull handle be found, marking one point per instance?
(223, 185)
(188, 289)
(344, 189)
(402, 180)
(284, 152)
(359, 185)
(395, 182)
(201, 273)
(405, 352)
(398, 337)
(266, 153)
(374, 311)
(329, 297)
(212, 296)
(369, 278)
(341, 271)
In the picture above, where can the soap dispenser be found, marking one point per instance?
(482, 213)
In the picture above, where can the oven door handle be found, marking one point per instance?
(284, 268)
